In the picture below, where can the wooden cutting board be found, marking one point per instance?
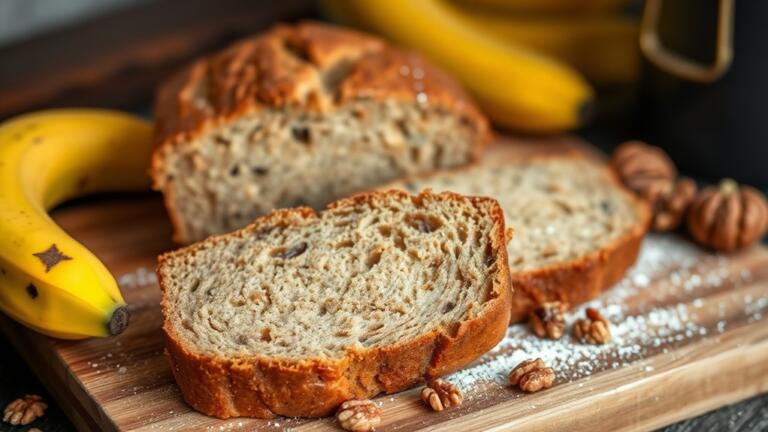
(689, 335)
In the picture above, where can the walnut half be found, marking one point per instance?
(358, 415)
(25, 410)
(440, 394)
(547, 320)
(532, 375)
(594, 329)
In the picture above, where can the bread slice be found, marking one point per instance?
(301, 311)
(577, 230)
(302, 115)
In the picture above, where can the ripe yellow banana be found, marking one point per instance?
(582, 7)
(604, 48)
(49, 281)
(516, 87)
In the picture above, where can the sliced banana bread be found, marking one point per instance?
(301, 311)
(576, 229)
(302, 115)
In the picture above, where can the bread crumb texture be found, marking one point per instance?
(561, 208)
(370, 271)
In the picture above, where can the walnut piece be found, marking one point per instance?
(671, 208)
(645, 169)
(728, 217)
(594, 329)
(547, 320)
(532, 375)
(440, 394)
(523, 368)
(25, 410)
(536, 380)
(358, 415)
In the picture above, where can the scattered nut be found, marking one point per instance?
(532, 375)
(671, 208)
(536, 380)
(728, 217)
(594, 329)
(523, 368)
(25, 410)
(358, 415)
(645, 169)
(651, 175)
(547, 320)
(440, 394)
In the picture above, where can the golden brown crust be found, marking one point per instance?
(579, 280)
(309, 66)
(264, 387)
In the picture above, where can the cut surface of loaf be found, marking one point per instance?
(302, 115)
(576, 229)
(301, 311)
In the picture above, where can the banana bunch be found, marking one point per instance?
(602, 47)
(48, 281)
(524, 72)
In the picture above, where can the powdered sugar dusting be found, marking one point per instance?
(655, 308)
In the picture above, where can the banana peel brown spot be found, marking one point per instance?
(51, 257)
(32, 291)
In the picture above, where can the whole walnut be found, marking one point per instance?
(728, 217)
(644, 169)
(671, 208)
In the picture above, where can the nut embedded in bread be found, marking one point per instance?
(302, 115)
(576, 229)
(301, 311)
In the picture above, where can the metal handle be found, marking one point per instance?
(678, 65)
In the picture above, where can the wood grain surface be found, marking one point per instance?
(124, 383)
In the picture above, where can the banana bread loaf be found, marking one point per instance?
(302, 115)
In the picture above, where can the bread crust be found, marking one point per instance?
(263, 387)
(574, 281)
(308, 67)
